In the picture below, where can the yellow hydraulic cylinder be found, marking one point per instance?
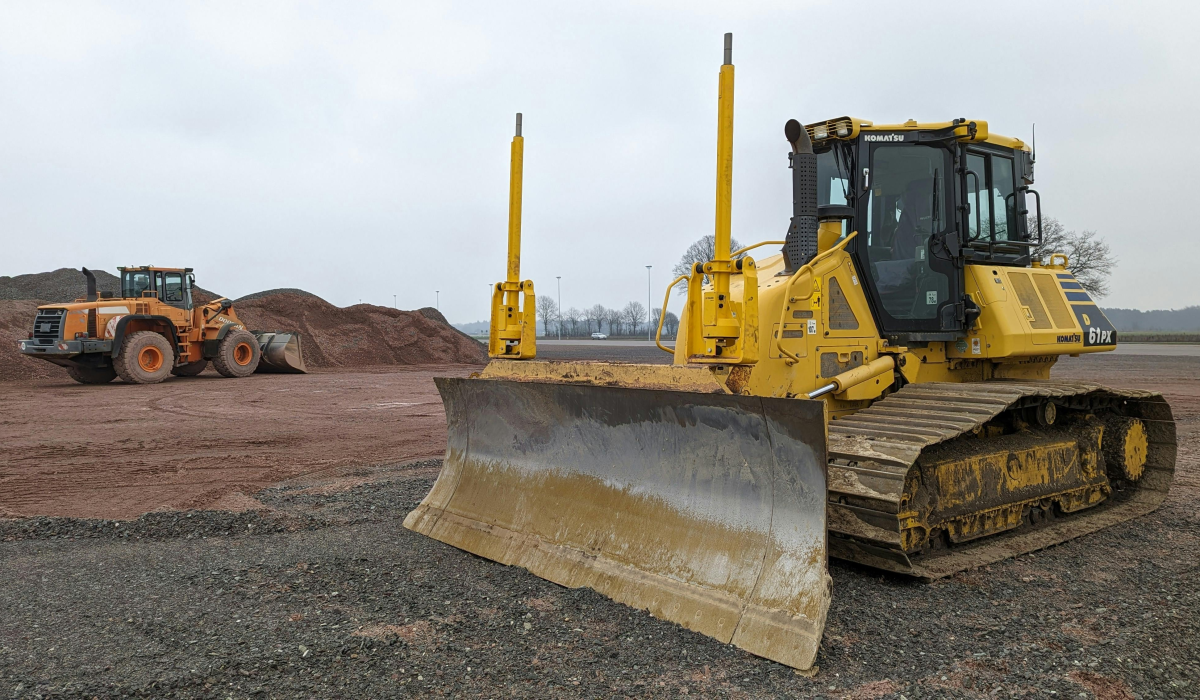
(513, 330)
(721, 329)
(719, 323)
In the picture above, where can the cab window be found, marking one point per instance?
(906, 206)
(134, 283)
(991, 199)
(173, 288)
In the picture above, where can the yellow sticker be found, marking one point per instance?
(1086, 321)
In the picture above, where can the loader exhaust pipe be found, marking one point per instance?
(91, 285)
(801, 241)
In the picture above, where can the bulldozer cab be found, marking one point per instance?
(926, 200)
(170, 286)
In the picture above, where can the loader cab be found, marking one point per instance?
(170, 286)
(925, 202)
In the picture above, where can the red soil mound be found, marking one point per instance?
(362, 335)
(16, 320)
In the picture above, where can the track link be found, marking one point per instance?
(875, 458)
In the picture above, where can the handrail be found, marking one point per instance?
(739, 251)
(663, 315)
(787, 290)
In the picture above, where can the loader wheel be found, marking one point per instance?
(91, 375)
(237, 355)
(190, 369)
(145, 358)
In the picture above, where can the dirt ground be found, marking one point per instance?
(321, 593)
(118, 450)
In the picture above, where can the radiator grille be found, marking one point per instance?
(1029, 298)
(47, 326)
(1048, 287)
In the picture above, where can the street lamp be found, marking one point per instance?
(649, 303)
(559, 278)
(394, 304)
(437, 300)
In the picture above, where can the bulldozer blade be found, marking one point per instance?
(280, 352)
(708, 510)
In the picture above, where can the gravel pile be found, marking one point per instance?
(68, 284)
(281, 290)
(363, 335)
(62, 285)
(344, 602)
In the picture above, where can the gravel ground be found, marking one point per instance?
(326, 595)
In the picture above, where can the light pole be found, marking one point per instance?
(437, 300)
(559, 278)
(649, 303)
(395, 305)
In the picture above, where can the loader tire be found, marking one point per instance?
(190, 369)
(238, 355)
(91, 375)
(145, 358)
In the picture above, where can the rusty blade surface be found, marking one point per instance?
(705, 509)
(280, 353)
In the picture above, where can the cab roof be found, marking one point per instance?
(965, 130)
(151, 268)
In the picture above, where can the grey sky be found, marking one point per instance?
(360, 151)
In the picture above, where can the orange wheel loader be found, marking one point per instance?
(153, 330)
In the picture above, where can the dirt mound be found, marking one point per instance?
(362, 335)
(63, 284)
(16, 320)
(270, 292)
(68, 284)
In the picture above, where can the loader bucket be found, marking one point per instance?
(280, 352)
(706, 509)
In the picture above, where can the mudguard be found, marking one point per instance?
(708, 510)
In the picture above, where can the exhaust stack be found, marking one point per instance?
(801, 241)
(92, 295)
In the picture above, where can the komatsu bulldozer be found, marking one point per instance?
(878, 390)
(153, 330)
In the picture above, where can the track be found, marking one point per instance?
(874, 452)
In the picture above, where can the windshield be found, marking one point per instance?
(134, 283)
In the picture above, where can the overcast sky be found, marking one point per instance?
(359, 150)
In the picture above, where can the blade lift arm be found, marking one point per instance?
(512, 333)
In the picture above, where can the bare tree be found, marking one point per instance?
(547, 311)
(572, 317)
(595, 316)
(701, 251)
(1088, 256)
(670, 325)
(613, 318)
(633, 314)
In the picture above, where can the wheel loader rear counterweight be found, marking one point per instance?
(903, 331)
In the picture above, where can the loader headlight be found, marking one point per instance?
(843, 129)
(22, 345)
(820, 132)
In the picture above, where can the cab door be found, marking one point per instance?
(908, 245)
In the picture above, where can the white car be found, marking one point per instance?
(599, 336)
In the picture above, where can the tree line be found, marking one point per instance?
(628, 321)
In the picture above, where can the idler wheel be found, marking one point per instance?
(1124, 446)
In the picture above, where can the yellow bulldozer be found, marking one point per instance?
(878, 390)
(153, 330)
